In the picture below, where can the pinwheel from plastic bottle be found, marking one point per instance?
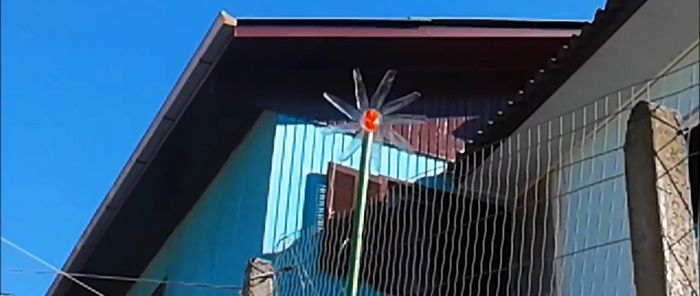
(371, 115)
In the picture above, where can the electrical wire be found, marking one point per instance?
(48, 265)
(125, 279)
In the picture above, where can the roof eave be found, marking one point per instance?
(198, 68)
(403, 28)
(397, 32)
(547, 80)
(220, 34)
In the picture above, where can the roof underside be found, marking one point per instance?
(219, 98)
(545, 82)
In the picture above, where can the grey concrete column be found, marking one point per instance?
(259, 278)
(658, 201)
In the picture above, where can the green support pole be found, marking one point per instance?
(359, 216)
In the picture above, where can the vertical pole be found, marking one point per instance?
(658, 200)
(359, 216)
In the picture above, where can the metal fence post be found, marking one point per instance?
(658, 201)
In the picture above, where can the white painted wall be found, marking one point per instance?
(590, 212)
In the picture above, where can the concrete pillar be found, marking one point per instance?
(659, 205)
(259, 278)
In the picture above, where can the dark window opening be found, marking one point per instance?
(417, 241)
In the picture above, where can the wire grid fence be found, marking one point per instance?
(543, 212)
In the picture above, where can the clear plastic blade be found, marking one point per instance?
(343, 107)
(347, 127)
(383, 89)
(397, 140)
(360, 90)
(352, 147)
(404, 119)
(399, 103)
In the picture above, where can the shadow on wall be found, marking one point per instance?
(425, 242)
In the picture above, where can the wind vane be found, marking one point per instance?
(371, 123)
(372, 116)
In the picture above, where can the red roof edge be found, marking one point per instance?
(417, 32)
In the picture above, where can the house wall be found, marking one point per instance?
(226, 226)
(261, 202)
(301, 152)
(301, 156)
(658, 32)
(533, 242)
(590, 211)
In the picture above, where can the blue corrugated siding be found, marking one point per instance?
(269, 190)
(301, 156)
(302, 150)
(225, 228)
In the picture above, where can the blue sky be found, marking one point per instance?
(82, 80)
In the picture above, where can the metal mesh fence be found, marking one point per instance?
(542, 212)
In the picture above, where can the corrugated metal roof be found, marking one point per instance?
(547, 80)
